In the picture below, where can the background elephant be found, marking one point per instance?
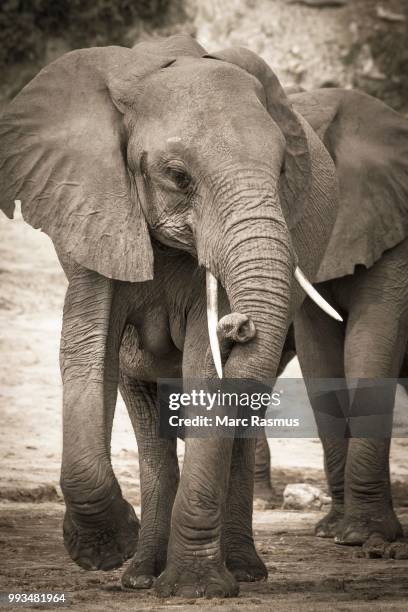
(115, 152)
(263, 489)
(371, 342)
(370, 289)
(369, 347)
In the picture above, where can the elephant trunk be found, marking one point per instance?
(256, 271)
(256, 263)
(259, 289)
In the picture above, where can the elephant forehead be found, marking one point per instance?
(216, 137)
(200, 103)
(192, 83)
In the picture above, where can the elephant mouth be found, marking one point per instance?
(238, 327)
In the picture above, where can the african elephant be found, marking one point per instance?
(370, 289)
(117, 153)
(131, 158)
(369, 286)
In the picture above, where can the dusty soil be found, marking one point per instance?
(305, 573)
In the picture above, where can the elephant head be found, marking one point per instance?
(109, 148)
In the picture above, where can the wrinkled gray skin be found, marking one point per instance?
(372, 343)
(207, 163)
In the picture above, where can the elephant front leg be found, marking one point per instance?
(335, 456)
(100, 527)
(374, 350)
(195, 560)
(159, 476)
(242, 559)
(321, 356)
(368, 501)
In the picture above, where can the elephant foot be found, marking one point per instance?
(328, 526)
(196, 581)
(246, 565)
(355, 530)
(105, 545)
(264, 496)
(144, 569)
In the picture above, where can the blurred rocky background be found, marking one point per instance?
(311, 43)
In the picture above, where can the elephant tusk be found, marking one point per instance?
(212, 320)
(17, 210)
(315, 295)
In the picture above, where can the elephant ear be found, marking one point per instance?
(369, 145)
(63, 154)
(295, 182)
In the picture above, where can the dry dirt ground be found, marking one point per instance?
(304, 571)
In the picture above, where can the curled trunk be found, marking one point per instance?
(256, 269)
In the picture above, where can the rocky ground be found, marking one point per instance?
(317, 43)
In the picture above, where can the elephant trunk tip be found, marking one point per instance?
(236, 327)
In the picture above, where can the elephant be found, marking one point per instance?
(160, 173)
(371, 343)
(372, 295)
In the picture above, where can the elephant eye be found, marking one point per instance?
(179, 176)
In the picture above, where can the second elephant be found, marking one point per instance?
(372, 296)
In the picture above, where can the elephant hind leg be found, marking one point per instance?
(264, 493)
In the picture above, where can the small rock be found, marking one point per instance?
(325, 82)
(299, 496)
(34, 493)
(387, 15)
(368, 67)
(268, 28)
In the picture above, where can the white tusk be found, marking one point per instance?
(17, 210)
(315, 295)
(212, 320)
